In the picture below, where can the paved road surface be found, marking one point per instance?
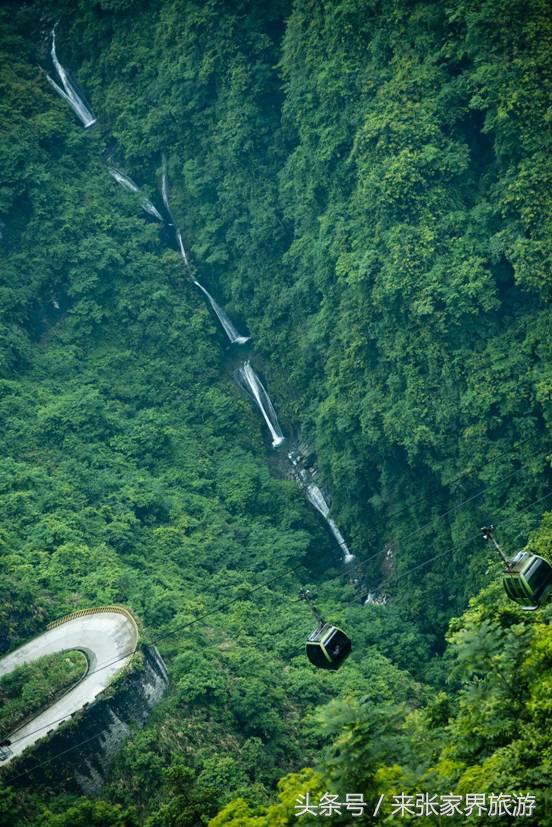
(107, 638)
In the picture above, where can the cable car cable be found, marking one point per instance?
(470, 540)
(259, 586)
(99, 733)
(235, 600)
(466, 472)
(469, 499)
(353, 567)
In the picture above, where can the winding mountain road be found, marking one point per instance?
(108, 637)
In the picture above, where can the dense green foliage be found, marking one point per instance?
(366, 183)
(33, 686)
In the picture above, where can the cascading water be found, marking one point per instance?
(316, 498)
(374, 599)
(165, 191)
(227, 325)
(247, 375)
(232, 333)
(69, 93)
(165, 196)
(129, 185)
(182, 248)
(255, 387)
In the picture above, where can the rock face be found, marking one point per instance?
(77, 752)
(78, 755)
(109, 722)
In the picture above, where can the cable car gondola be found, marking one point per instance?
(527, 577)
(327, 646)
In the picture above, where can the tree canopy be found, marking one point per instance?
(365, 186)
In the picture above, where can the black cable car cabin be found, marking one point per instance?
(528, 580)
(327, 646)
(527, 577)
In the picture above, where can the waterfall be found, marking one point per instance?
(347, 556)
(124, 180)
(255, 387)
(165, 196)
(227, 325)
(373, 599)
(165, 191)
(316, 498)
(129, 185)
(182, 250)
(69, 93)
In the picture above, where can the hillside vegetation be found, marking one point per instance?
(366, 186)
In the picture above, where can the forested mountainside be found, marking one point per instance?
(365, 186)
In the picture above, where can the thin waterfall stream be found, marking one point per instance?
(234, 336)
(253, 384)
(127, 182)
(69, 93)
(246, 375)
(227, 326)
(317, 499)
(182, 248)
(165, 191)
